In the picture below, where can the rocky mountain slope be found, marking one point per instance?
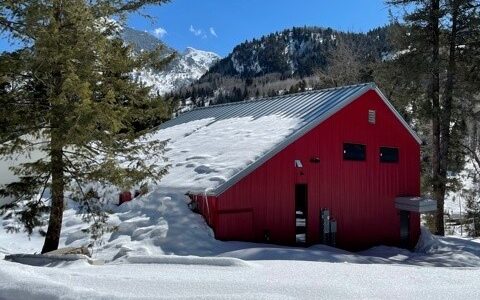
(186, 68)
(298, 51)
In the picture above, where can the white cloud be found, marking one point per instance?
(159, 32)
(196, 32)
(212, 32)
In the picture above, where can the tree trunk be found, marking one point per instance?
(56, 154)
(434, 95)
(447, 107)
(56, 210)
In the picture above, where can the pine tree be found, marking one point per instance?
(68, 92)
(436, 30)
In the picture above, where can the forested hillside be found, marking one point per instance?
(298, 51)
(293, 60)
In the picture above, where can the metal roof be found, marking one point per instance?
(312, 107)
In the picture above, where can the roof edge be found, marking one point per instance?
(397, 114)
(371, 84)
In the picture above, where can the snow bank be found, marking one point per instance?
(447, 251)
(431, 251)
(157, 229)
(160, 224)
(186, 260)
(48, 260)
(427, 243)
(265, 280)
(319, 253)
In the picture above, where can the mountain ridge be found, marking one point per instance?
(292, 60)
(297, 51)
(186, 67)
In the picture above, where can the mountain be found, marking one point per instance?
(184, 69)
(289, 61)
(298, 51)
(142, 40)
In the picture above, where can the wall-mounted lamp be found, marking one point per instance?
(298, 163)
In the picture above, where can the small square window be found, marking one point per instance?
(354, 151)
(388, 154)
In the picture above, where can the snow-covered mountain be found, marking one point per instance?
(186, 68)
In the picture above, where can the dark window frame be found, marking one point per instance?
(389, 160)
(354, 157)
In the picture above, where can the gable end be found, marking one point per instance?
(305, 129)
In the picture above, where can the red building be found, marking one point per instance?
(349, 176)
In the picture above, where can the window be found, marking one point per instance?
(353, 151)
(388, 154)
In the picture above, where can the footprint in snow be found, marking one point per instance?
(204, 170)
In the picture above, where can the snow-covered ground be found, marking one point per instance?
(455, 202)
(259, 280)
(163, 250)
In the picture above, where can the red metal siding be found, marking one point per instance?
(359, 194)
(236, 225)
(207, 206)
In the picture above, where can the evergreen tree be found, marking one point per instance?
(436, 30)
(472, 217)
(69, 93)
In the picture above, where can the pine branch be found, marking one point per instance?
(14, 28)
(44, 187)
(82, 155)
(473, 154)
(135, 5)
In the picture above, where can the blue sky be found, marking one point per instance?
(189, 22)
(219, 25)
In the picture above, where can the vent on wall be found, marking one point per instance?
(371, 116)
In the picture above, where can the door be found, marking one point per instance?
(404, 228)
(301, 213)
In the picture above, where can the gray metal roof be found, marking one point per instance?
(312, 107)
(306, 105)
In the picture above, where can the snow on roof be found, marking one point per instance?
(212, 148)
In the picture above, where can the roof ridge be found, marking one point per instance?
(372, 84)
